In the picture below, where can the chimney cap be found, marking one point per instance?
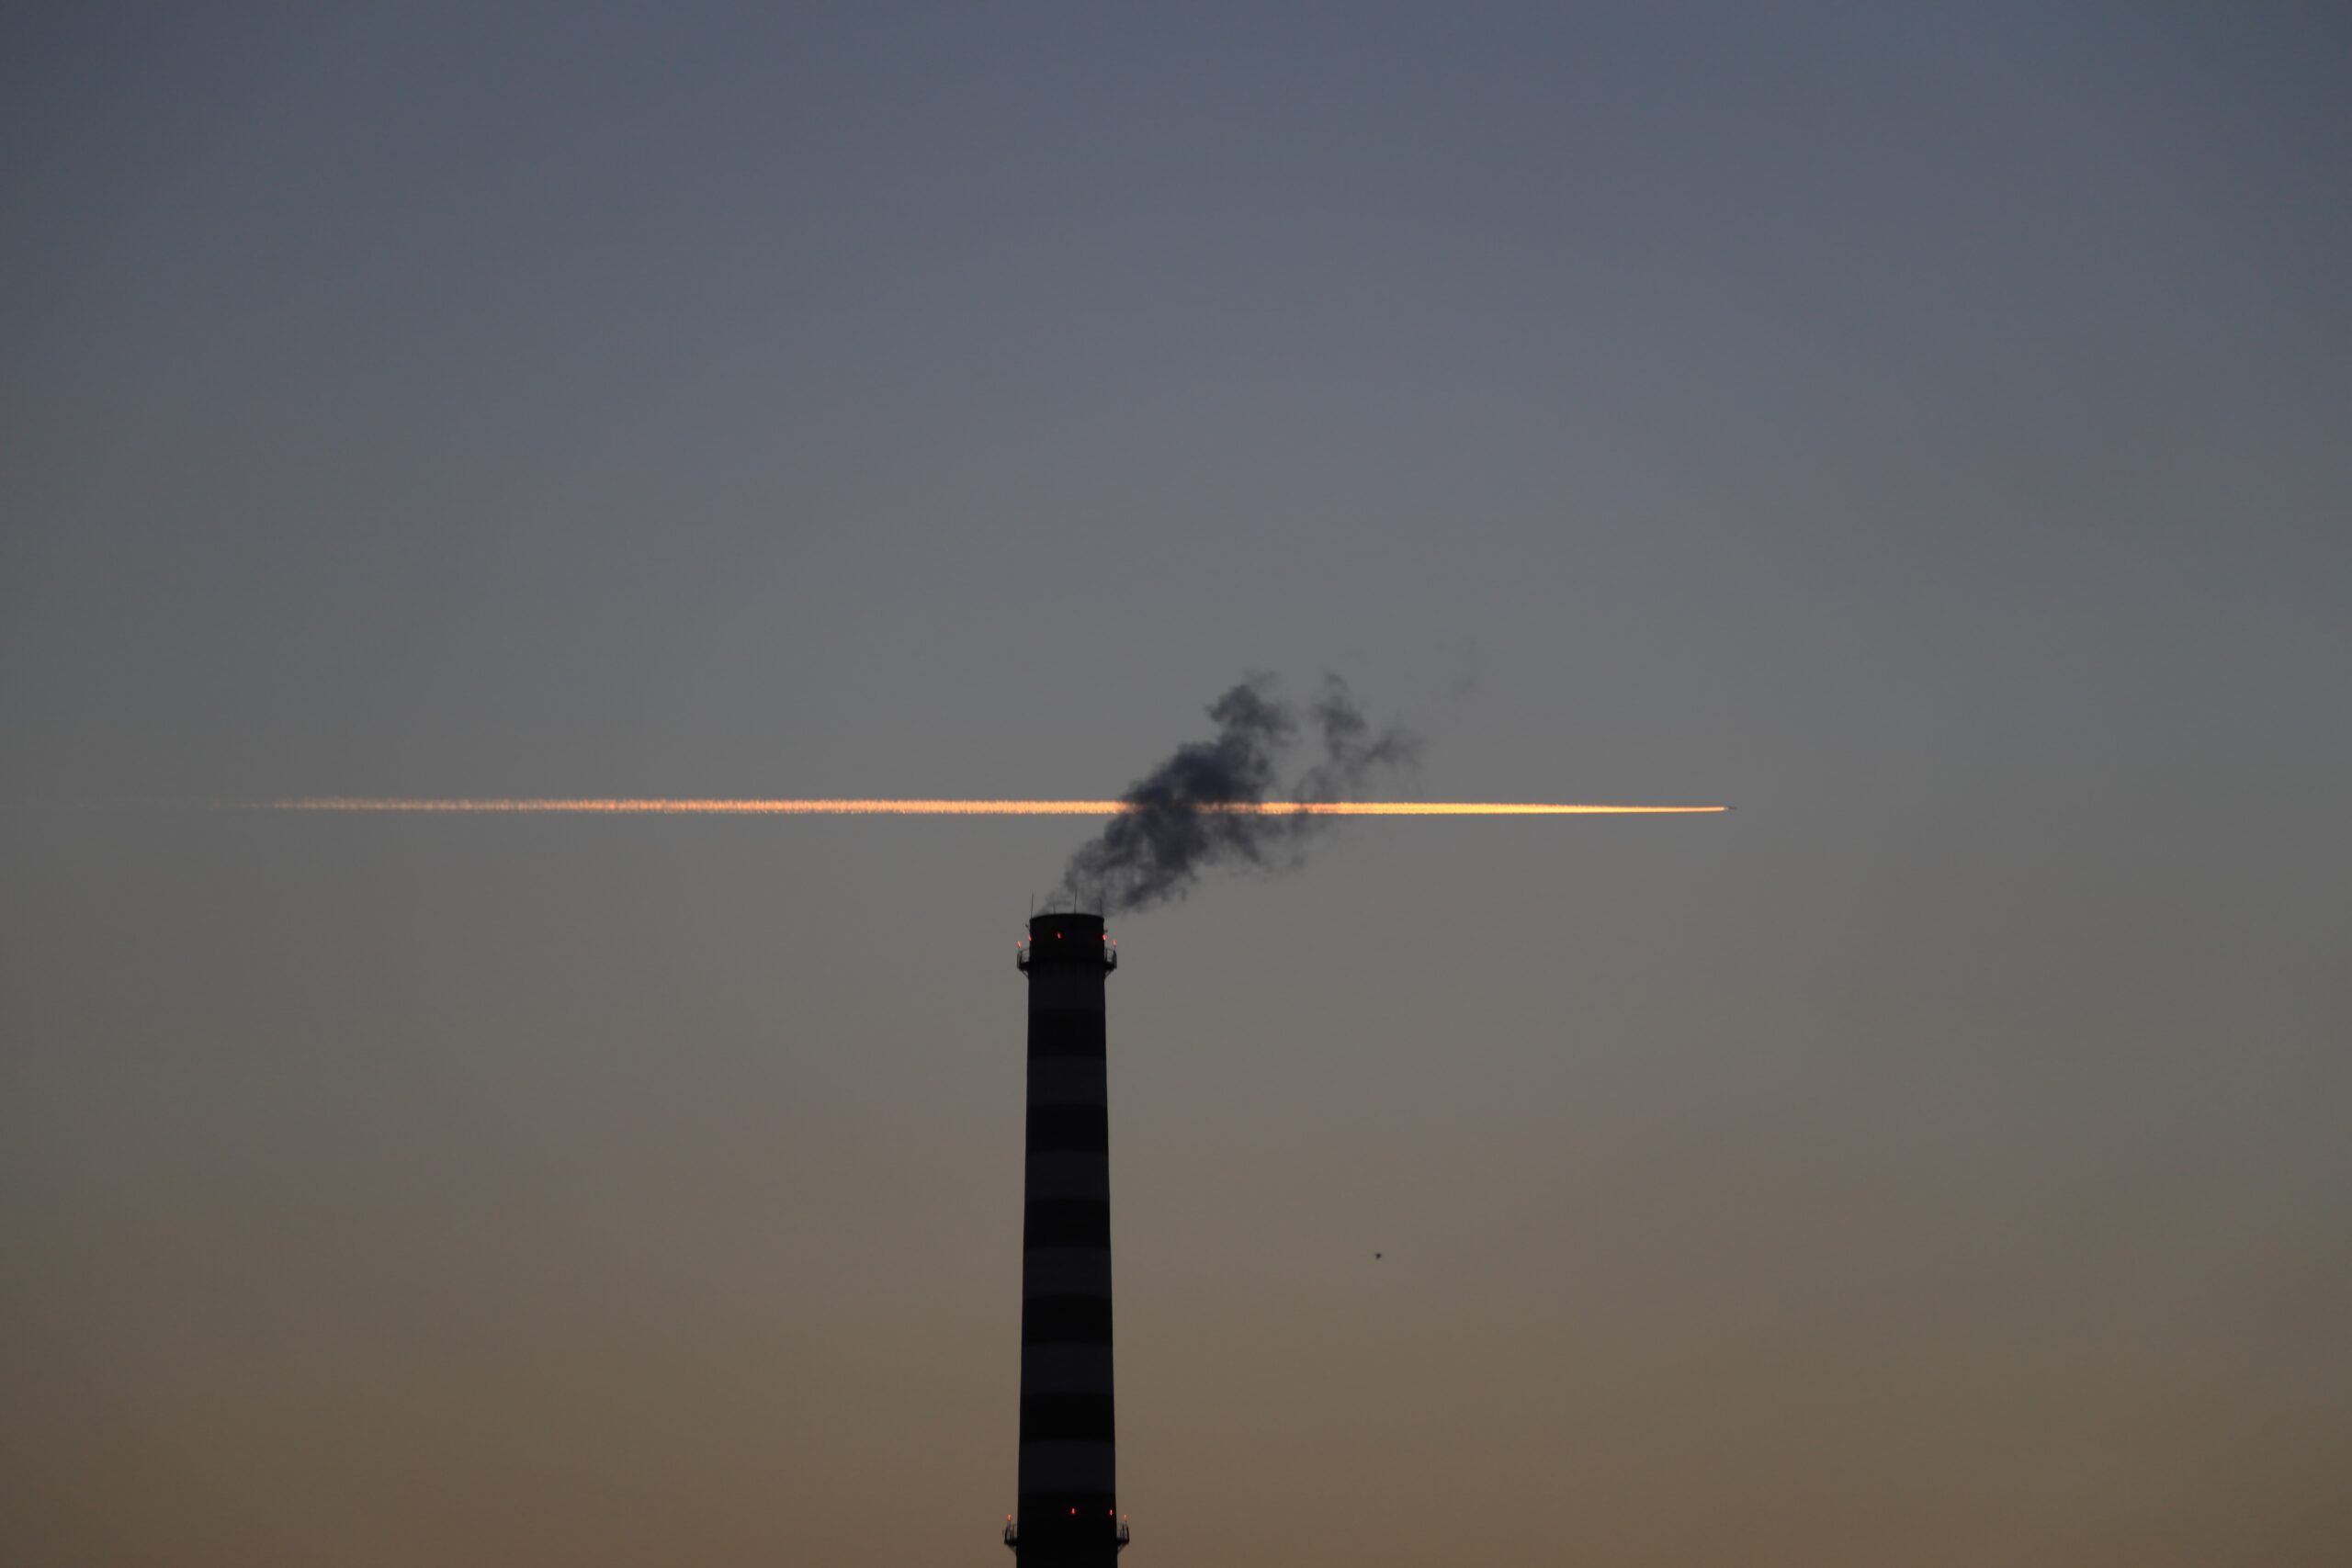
(1066, 940)
(1046, 930)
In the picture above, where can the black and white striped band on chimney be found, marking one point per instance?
(1069, 1505)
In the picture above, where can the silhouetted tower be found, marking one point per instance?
(1069, 1504)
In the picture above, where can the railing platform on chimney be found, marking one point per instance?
(1025, 953)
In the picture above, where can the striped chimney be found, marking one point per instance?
(1069, 1506)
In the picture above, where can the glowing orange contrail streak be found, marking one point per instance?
(657, 807)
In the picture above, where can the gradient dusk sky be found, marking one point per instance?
(1927, 428)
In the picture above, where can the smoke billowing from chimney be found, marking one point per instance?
(1155, 852)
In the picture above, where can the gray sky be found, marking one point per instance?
(1923, 427)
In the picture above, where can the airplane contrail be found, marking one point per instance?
(674, 806)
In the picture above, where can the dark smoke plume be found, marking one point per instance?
(1158, 850)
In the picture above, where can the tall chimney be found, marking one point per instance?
(1069, 1504)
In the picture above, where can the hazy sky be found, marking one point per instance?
(1929, 428)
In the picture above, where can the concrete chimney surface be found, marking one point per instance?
(1068, 1493)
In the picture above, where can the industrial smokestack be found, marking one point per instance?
(1068, 1489)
